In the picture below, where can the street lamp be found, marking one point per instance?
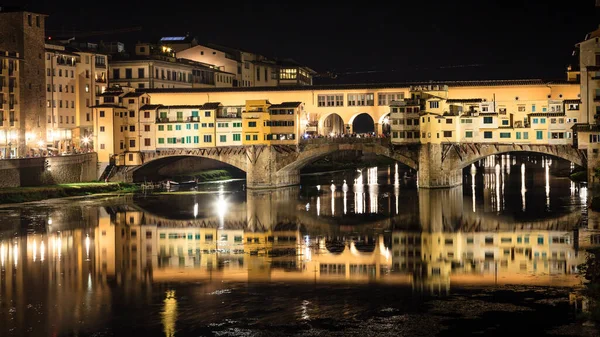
(86, 141)
(40, 147)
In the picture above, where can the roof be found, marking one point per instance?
(150, 106)
(133, 94)
(205, 106)
(110, 93)
(285, 105)
(176, 39)
(586, 127)
(546, 114)
(362, 86)
(108, 105)
(183, 106)
(464, 100)
(572, 101)
(211, 105)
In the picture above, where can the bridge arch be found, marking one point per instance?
(316, 149)
(152, 164)
(459, 156)
(362, 122)
(332, 123)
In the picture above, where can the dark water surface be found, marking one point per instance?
(362, 253)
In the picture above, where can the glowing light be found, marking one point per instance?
(473, 173)
(583, 194)
(358, 194)
(307, 206)
(372, 176)
(548, 185)
(345, 189)
(195, 210)
(331, 134)
(85, 140)
(497, 187)
(2, 254)
(41, 143)
(49, 221)
(42, 251)
(332, 199)
(87, 247)
(318, 205)
(523, 189)
(15, 254)
(396, 176)
(34, 250)
(169, 313)
(221, 206)
(59, 249)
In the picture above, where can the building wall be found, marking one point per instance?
(36, 171)
(17, 34)
(10, 65)
(210, 56)
(229, 131)
(170, 74)
(254, 123)
(92, 80)
(61, 84)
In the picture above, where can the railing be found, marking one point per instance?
(344, 140)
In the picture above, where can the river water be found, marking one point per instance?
(358, 253)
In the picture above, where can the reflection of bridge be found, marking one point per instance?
(439, 165)
(431, 210)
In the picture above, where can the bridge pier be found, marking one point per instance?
(432, 171)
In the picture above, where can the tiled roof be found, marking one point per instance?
(586, 127)
(108, 105)
(572, 101)
(133, 94)
(184, 106)
(360, 86)
(211, 105)
(464, 100)
(150, 106)
(109, 93)
(285, 105)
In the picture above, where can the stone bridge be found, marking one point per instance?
(439, 165)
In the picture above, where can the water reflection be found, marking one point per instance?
(488, 233)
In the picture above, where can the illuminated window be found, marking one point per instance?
(288, 74)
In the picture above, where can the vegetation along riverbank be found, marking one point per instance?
(25, 194)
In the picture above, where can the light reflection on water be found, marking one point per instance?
(489, 232)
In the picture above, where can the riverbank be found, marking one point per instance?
(26, 194)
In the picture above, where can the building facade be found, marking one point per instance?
(520, 112)
(10, 64)
(23, 32)
(157, 67)
(431, 116)
(250, 70)
(74, 78)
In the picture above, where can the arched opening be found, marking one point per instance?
(362, 123)
(332, 124)
(386, 128)
(184, 168)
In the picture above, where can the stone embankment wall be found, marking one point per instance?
(48, 170)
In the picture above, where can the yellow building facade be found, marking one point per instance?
(520, 112)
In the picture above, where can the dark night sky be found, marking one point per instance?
(363, 41)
